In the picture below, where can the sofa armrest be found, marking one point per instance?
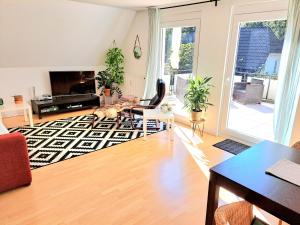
(14, 162)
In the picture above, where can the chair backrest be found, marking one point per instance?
(238, 213)
(160, 93)
(257, 81)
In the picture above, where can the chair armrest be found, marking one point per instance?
(143, 107)
(144, 100)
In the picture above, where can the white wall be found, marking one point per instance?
(36, 33)
(214, 35)
(136, 69)
(37, 36)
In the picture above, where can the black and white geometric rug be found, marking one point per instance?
(55, 141)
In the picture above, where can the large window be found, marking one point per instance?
(178, 59)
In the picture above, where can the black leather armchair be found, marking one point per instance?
(153, 102)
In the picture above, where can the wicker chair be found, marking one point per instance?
(238, 213)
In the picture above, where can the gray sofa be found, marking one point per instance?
(249, 92)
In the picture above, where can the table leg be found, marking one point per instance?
(212, 200)
(172, 129)
(145, 128)
(118, 119)
(193, 127)
(168, 125)
(25, 114)
(30, 117)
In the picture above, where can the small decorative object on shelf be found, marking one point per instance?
(166, 107)
(18, 99)
(1, 101)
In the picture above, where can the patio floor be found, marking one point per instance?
(255, 120)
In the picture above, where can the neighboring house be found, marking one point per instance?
(259, 50)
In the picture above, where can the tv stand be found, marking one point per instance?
(60, 104)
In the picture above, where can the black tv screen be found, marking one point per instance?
(72, 82)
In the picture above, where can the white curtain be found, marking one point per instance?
(289, 78)
(154, 57)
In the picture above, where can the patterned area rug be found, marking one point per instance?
(63, 139)
(231, 146)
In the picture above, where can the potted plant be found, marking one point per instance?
(114, 73)
(196, 96)
(104, 80)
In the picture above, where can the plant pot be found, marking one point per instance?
(196, 116)
(107, 92)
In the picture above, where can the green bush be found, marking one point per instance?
(186, 53)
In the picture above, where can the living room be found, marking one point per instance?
(100, 154)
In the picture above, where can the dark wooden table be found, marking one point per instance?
(244, 175)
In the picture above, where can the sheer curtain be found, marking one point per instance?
(289, 78)
(154, 59)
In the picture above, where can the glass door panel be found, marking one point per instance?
(178, 61)
(255, 78)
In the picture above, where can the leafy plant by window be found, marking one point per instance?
(196, 96)
(115, 64)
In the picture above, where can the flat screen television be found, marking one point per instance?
(72, 82)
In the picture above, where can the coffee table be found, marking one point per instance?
(157, 114)
(11, 107)
(119, 107)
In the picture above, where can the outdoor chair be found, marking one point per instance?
(248, 92)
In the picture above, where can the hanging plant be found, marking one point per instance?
(137, 50)
(115, 64)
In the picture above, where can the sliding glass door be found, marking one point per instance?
(252, 75)
(179, 59)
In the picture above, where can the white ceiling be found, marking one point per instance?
(136, 4)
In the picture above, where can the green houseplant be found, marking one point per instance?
(114, 73)
(104, 80)
(115, 64)
(196, 96)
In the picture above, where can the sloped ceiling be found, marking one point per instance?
(35, 33)
(137, 4)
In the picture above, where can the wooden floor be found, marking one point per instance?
(153, 182)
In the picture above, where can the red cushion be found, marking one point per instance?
(14, 162)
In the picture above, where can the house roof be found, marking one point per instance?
(255, 45)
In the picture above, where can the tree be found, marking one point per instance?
(186, 53)
(278, 27)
